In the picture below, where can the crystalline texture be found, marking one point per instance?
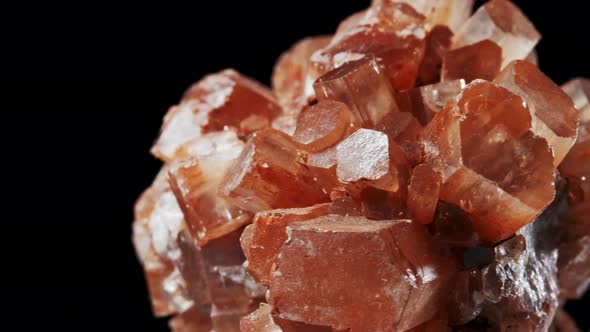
(217, 101)
(362, 87)
(352, 273)
(480, 60)
(554, 116)
(503, 23)
(423, 192)
(501, 194)
(291, 81)
(322, 125)
(268, 175)
(262, 241)
(391, 31)
(452, 13)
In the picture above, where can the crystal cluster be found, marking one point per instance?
(415, 171)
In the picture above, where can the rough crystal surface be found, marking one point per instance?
(357, 274)
(213, 104)
(414, 172)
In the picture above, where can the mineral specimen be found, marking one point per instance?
(414, 172)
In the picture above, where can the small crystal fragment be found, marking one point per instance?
(579, 90)
(362, 87)
(263, 239)
(391, 31)
(480, 60)
(404, 129)
(260, 321)
(357, 274)
(387, 167)
(423, 192)
(190, 321)
(503, 23)
(268, 174)
(195, 184)
(424, 102)
(322, 125)
(553, 113)
(292, 82)
(212, 104)
(500, 194)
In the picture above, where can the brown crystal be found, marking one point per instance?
(292, 81)
(503, 23)
(554, 116)
(262, 241)
(352, 273)
(438, 42)
(362, 87)
(391, 31)
(480, 60)
(423, 193)
(195, 183)
(500, 194)
(384, 194)
(322, 125)
(268, 175)
(424, 102)
(212, 104)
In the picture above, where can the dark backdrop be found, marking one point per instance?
(83, 93)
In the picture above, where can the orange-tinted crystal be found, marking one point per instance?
(480, 60)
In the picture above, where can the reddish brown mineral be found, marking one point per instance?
(423, 193)
(390, 30)
(503, 193)
(554, 116)
(373, 189)
(424, 102)
(352, 273)
(323, 125)
(292, 82)
(262, 241)
(362, 87)
(480, 60)
(503, 23)
(268, 174)
(213, 104)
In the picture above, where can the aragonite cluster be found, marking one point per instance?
(415, 171)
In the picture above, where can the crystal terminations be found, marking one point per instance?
(415, 171)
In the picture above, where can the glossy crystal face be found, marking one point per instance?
(414, 171)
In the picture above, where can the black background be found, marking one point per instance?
(83, 93)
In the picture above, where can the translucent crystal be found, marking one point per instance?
(451, 13)
(391, 31)
(362, 87)
(503, 23)
(262, 241)
(423, 192)
(500, 194)
(387, 167)
(357, 274)
(212, 104)
(438, 42)
(291, 81)
(479, 60)
(190, 321)
(269, 174)
(424, 102)
(554, 116)
(579, 90)
(322, 125)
